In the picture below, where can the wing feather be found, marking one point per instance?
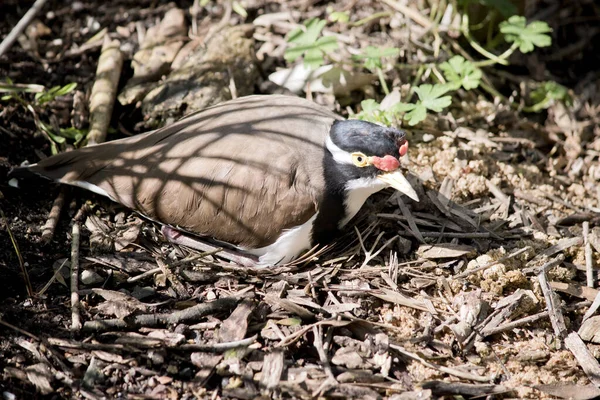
(240, 172)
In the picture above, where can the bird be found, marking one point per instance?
(268, 176)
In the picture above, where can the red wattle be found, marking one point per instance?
(387, 163)
(403, 149)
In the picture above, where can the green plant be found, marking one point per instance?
(373, 61)
(372, 111)
(307, 43)
(456, 73)
(460, 72)
(546, 94)
(431, 97)
(526, 36)
(41, 98)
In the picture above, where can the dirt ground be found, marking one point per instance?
(479, 290)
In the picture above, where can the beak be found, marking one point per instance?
(396, 180)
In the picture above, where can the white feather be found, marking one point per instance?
(92, 188)
(287, 247)
(357, 192)
(339, 155)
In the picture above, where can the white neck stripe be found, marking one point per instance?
(339, 155)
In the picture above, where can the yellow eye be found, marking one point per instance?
(360, 160)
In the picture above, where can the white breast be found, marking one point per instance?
(294, 241)
(357, 192)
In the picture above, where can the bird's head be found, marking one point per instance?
(366, 151)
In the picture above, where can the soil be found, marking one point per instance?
(409, 321)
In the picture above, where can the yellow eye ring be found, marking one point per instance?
(360, 160)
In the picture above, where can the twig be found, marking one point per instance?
(104, 90)
(584, 357)
(150, 320)
(75, 305)
(554, 312)
(21, 25)
(318, 343)
(19, 256)
(177, 286)
(410, 219)
(593, 308)
(50, 225)
(144, 275)
(589, 260)
(410, 13)
(527, 320)
(447, 370)
(218, 347)
(330, 382)
(450, 235)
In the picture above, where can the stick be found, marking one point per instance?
(104, 90)
(21, 25)
(151, 320)
(589, 260)
(554, 311)
(75, 305)
(448, 370)
(50, 225)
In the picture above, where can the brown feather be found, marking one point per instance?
(240, 172)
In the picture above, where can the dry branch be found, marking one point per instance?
(151, 320)
(50, 225)
(104, 91)
(21, 25)
(75, 305)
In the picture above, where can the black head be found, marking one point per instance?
(367, 137)
(362, 149)
(361, 154)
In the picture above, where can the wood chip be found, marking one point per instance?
(445, 250)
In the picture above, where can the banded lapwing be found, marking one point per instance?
(270, 175)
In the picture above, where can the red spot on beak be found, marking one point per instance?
(403, 149)
(387, 163)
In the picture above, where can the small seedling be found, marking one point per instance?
(460, 72)
(338, 16)
(546, 94)
(431, 97)
(526, 36)
(305, 42)
(41, 98)
(372, 112)
(373, 61)
(239, 9)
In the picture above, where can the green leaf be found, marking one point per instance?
(48, 129)
(239, 9)
(373, 56)
(527, 37)
(369, 105)
(418, 114)
(309, 34)
(339, 16)
(371, 111)
(461, 72)
(429, 96)
(306, 42)
(66, 89)
(49, 95)
(546, 94)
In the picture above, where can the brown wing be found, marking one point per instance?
(239, 172)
